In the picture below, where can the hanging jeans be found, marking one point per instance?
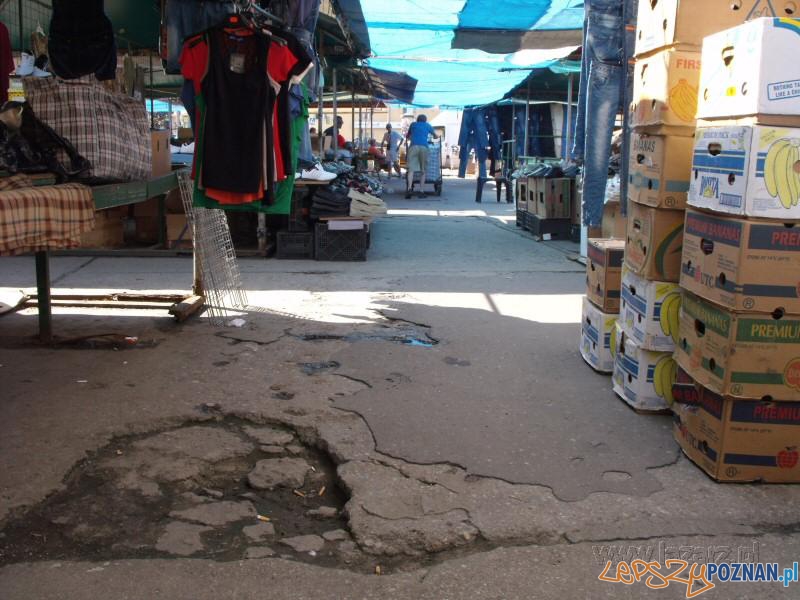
(473, 136)
(304, 20)
(493, 129)
(187, 17)
(603, 58)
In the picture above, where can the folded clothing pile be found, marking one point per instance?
(338, 168)
(365, 205)
(330, 202)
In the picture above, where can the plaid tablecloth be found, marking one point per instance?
(44, 218)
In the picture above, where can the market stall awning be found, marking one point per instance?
(521, 24)
(389, 85)
(418, 42)
(355, 25)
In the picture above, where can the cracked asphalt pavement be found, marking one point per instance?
(437, 387)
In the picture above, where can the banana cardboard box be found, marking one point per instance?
(665, 89)
(597, 329)
(686, 22)
(738, 440)
(642, 378)
(654, 242)
(743, 265)
(604, 273)
(649, 311)
(660, 169)
(751, 170)
(752, 69)
(533, 195)
(553, 198)
(743, 355)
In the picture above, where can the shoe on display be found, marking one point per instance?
(317, 173)
(26, 65)
(37, 72)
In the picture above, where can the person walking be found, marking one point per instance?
(392, 141)
(417, 159)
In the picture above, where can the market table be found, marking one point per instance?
(104, 197)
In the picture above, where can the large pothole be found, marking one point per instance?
(226, 490)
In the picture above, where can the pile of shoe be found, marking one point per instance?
(30, 66)
(365, 205)
(330, 202)
(362, 183)
(314, 172)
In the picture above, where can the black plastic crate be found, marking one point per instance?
(340, 245)
(558, 229)
(520, 218)
(295, 245)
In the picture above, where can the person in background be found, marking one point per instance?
(339, 151)
(381, 161)
(417, 159)
(312, 131)
(392, 142)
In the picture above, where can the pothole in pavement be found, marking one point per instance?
(225, 490)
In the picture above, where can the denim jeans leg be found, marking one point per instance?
(601, 103)
(580, 120)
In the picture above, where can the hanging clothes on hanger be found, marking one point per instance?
(237, 72)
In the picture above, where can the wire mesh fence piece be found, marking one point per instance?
(214, 251)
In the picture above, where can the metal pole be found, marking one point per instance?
(43, 296)
(513, 156)
(21, 27)
(152, 114)
(352, 112)
(360, 122)
(372, 118)
(568, 132)
(334, 145)
(527, 118)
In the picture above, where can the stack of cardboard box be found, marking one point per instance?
(738, 415)
(550, 206)
(601, 303)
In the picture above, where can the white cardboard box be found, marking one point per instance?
(597, 329)
(649, 311)
(751, 69)
(751, 170)
(642, 378)
(686, 22)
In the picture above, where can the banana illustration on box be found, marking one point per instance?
(683, 101)
(670, 311)
(780, 176)
(664, 376)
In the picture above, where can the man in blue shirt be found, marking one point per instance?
(417, 159)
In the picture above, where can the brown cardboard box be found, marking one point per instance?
(185, 133)
(577, 197)
(686, 22)
(521, 191)
(660, 170)
(654, 240)
(553, 200)
(744, 265)
(108, 230)
(737, 440)
(744, 355)
(178, 231)
(162, 158)
(532, 195)
(604, 273)
(665, 90)
(613, 224)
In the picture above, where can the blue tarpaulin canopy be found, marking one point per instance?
(520, 24)
(409, 36)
